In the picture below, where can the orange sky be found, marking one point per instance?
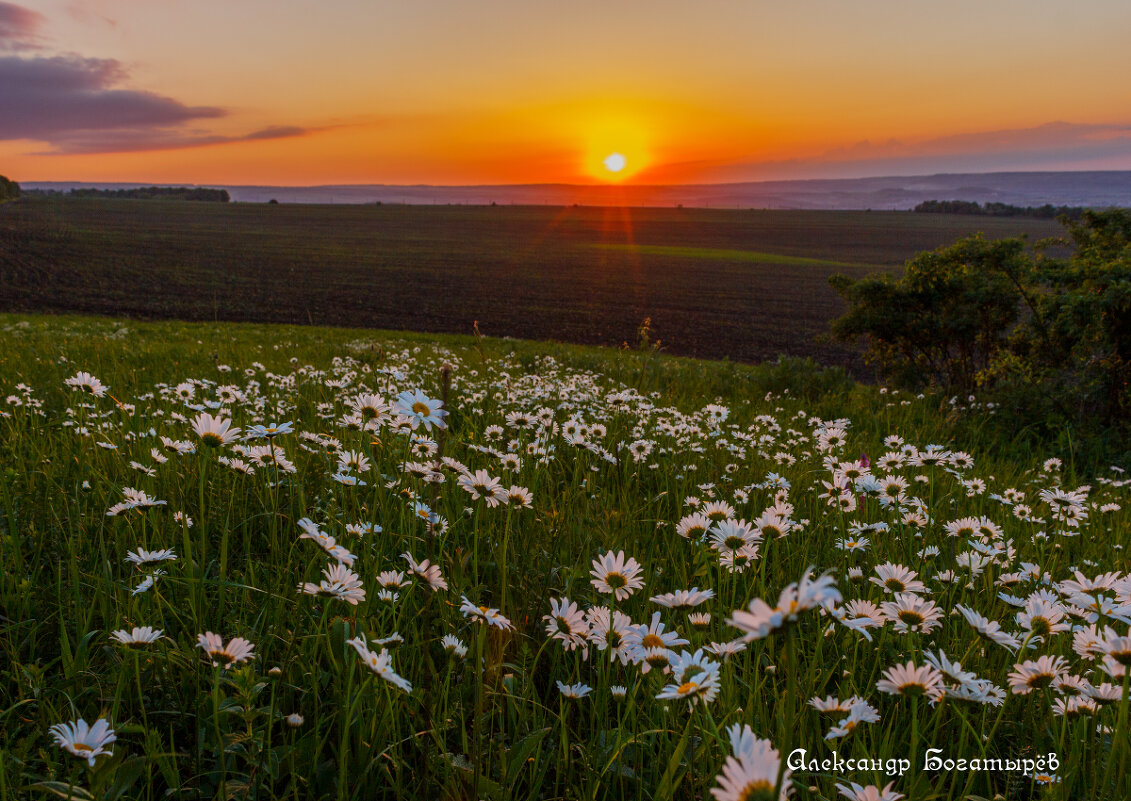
(439, 91)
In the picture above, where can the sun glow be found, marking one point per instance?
(616, 147)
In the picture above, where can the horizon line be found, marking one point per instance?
(603, 186)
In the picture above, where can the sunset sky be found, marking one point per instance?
(494, 91)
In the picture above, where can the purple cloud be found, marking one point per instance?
(73, 104)
(54, 99)
(18, 26)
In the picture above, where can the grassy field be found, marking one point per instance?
(745, 285)
(525, 660)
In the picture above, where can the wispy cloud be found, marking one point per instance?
(141, 139)
(19, 27)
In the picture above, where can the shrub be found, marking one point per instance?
(943, 321)
(1047, 338)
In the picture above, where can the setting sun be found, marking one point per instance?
(615, 162)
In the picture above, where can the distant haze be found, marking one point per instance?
(1097, 189)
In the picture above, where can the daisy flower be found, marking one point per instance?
(578, 690)
(82, 740)
(453, 645)
(752, 771)
(520, 497)
(142, 556)
(909, 612)
(728, 536)
(725, 650)
(1042, 617)
(990, 629)
(759, 618)
(831, 705)
(566, 622)
(214, 431)
(139, 637)
(1116, 647)
(340, 582)
(147, 583)
(609, 632)
(428, 572)
(910, 680)
(856, 792)
(860, 712)
(897, 579)
(270, 431)
(237, 650)
(481, 485)
(693, 526)
(1036, 674)
(612, 574)
(371, 407)
(483, 614)
(683, 599)
(696, 678)
(700, 620)
(641, 639)
(86, 383)
(380, 663)
(420, 409)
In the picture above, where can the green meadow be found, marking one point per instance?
(437, 566)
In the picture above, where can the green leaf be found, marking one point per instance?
(523, 749)
(63, 790)
(669, 784)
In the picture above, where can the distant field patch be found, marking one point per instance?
(726, 254)
(745, 285)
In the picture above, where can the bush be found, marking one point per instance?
(943, 321)
(9, 190)
(1047, 339)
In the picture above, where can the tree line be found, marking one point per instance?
(1045, 212)
(158, 193)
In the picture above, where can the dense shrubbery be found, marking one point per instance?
(1048, 338)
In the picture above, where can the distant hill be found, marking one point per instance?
(1094, 189)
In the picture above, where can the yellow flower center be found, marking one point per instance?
(616, 580)
(757, 790)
